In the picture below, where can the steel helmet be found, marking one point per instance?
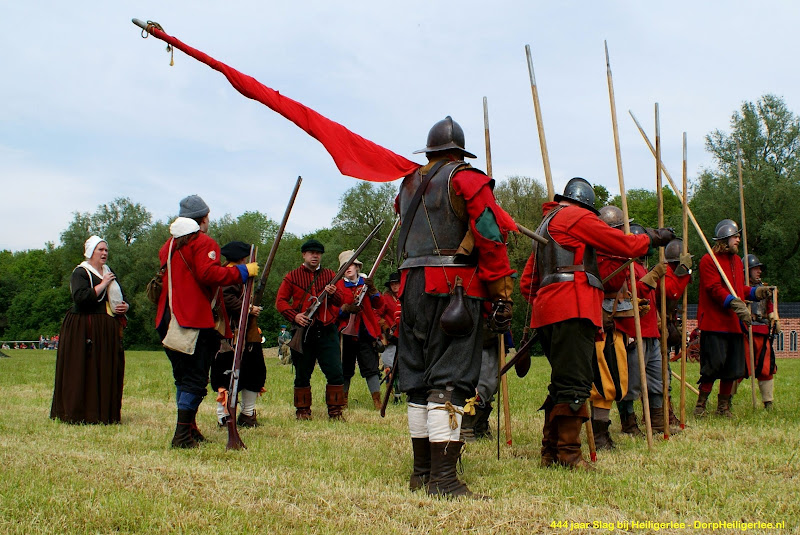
(580, 191)
(753, 261)
(446, 135)
(725, 229)
(612, 216)
(636, 228)
(673, 250)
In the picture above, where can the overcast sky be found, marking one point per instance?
(89, 111)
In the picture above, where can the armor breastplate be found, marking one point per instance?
(758, 310)
(557, 264)
(436, 230)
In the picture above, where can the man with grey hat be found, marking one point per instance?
(321, 343)
(192, 281)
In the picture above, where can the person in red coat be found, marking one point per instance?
(561, 282)
(765, 326)
(299, 289)
(390, 323)
(192, 280)
(359, 328)
(721, 317)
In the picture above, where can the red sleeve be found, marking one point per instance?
(675, 285)
(205, 260)
(529, 283)
(592, 230)
(476, 189)
(282, 299)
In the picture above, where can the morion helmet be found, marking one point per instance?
(753, 261)
(612, 216)
(580, 191)
(725, 229)
(673, 250)
(446, 135)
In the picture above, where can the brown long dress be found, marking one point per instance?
(90, 364)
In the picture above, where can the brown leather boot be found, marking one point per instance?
(724, 406)
(335, 398)
(674, 422)
(247, 421)
(443, 480)
(422, 463)
(569, 425)
(700, 407)
(377, 401)
(629, 425)
(302, 403)
(183, 430)
(549, 435)
(602, 438)
(657, 419)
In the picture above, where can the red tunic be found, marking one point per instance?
(368, 314)
(573, 228)
(493, 263)
(390, 312)
(713, 313)
(196, 277)
(674, 284)
(297, 292)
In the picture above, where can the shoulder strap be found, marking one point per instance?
(411, 211)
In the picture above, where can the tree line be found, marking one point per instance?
(34, 284)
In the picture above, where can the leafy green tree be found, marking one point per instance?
(768, 134)
(643, 207)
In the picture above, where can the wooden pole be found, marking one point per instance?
(627, 226)
(684, 383)
(662, 288)
(685, 312)
(501, 356)
(548, 176)
(746, 274)
(688, 211)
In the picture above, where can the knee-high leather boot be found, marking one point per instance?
(569, 423)
(302, 403)
(422, 463)
(549, 435)
(335, 398)
(444, 480)
(183, 430)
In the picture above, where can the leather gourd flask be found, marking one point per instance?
(456, 319)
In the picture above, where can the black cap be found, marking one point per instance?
(235, 250)
(393, 277)
(312, 245)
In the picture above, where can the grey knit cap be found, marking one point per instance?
(193, 207)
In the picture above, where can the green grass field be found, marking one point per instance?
(351, 477)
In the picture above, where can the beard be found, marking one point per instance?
(734, 249)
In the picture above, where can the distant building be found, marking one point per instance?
(786, 343)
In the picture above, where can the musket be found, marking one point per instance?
(350, 329)
(234, 441)
(258, 293)
(300, 333)
(389, 385)
(627, 227)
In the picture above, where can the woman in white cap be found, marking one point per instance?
(90, 364)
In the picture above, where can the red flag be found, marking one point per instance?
(354, 156)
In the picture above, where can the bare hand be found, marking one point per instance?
(302, 320)
(255, 311)
(121, 308)
(107, 278)
(331, 289)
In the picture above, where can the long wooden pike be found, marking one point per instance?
(746, 273)
(627, 227)
(662, 288)
(688, 210)
(501, 353)
(548, 176)
(684, 313)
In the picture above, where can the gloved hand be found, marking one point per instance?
(659, 237)
(379, 346)
(500, 316)
(351, 308)
(763, 292)
(644, 306)
(686, 260)
(741, 310)
(247, 270)
(370, 284)
(651, 277)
